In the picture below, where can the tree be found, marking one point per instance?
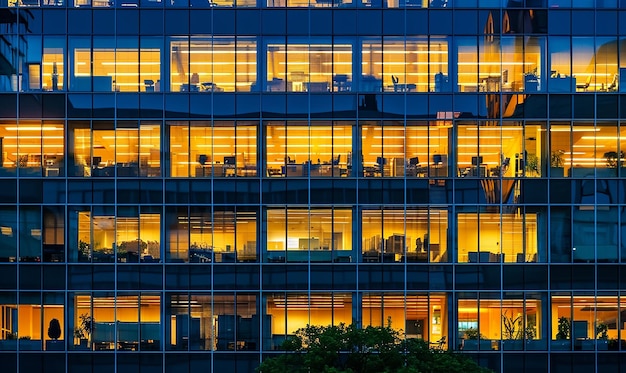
(348, 349)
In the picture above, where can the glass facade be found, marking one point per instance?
(184, 184)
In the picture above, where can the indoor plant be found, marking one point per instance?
(473, 339)
(557, 163)
(614, 160)
(54, 333)
(512, 331)
(602, 337)
(562, 341)
(83, 330)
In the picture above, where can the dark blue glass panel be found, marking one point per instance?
(439, 22)
(369, 22)
(127, 21)
(177, 105)
(394, 22)
(104, 21)
(79, 21)
(559, 22)
(274, 22)
(606, 22)
(343, 22)
(248, 22)
(223, 22)
(298, 22)
(201, 22)
(30, 106)
(224, 105)
(53, 106)
(127, 105)
(151, 105)
(200, 106)
(151, 21)
(298, 106)
(176, 22)
(55, 22)
(274, 105)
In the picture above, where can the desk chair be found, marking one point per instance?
(584, 86)
(340, 83)
(149, 85)
(613, 85)
(438, 345)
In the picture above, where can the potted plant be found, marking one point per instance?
(532, 164)
(557, 163)
(614, 160)
(533, 343)
(512, 331)
(473, 340)
(9, 342)
(54, 333)
(82, 332)
(29, 344)
(84, 251)
(602, 337)
(562, 341)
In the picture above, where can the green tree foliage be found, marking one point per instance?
(348, 349)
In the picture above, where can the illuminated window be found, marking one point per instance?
(126, 322)
(318, 235)
(492, 237)
(314, 67)
(218, 64)
(199, 149)
(404, 235)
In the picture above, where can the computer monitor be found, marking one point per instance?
(476, 161)
(229, 160)
(202, 159)
(95, 161)
(437, 159)
(381, 161)
(414, 161)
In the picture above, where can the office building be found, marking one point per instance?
(185, 183)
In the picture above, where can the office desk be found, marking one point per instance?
(316, 86)
(417, 171)
(474, 171)
(438, 171)
(405, 87)
(341, 83)
(294, 170)
(327, 170)
(215, 170)
(416, 257)
(371, 84)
